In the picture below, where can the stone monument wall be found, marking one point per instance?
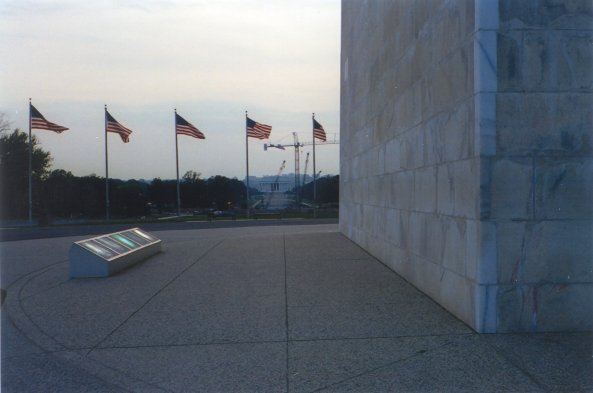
(538, 188)
(466, 154)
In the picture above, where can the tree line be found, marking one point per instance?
(60, 194)
(327, 190)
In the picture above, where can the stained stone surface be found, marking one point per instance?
(467, 154)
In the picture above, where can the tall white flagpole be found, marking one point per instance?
(30, 168)
(177, 167)
(106, 171)
(314, 172)
(247, 162)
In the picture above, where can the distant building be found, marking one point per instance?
(272, 183)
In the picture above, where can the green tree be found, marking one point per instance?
(328, 189)
(163, 194)
(91, 195)
(222, 191)
(129, 198)
(193, 190)
(60, 194)
(191, 177)
(14, 173)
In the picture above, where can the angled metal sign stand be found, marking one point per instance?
(105, 255)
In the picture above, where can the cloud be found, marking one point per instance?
(210, 59)
(18, 8)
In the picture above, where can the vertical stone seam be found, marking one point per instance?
(485, 89)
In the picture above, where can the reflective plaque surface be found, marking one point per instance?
(115, 244)
(97, 248)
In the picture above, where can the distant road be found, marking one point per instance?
(28, 233)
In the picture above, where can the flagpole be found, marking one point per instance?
(314, 173)
(106, 171)
(30, 169)
(247, 162)
(177, 167)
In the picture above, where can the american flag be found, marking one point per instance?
(183, 127)
(114, 126)
(39, 122)
(318, 131)
(258, 130)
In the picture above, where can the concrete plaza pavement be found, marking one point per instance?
(256, 309)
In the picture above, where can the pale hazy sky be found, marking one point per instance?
(210, 59)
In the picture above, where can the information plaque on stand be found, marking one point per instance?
(105, 255)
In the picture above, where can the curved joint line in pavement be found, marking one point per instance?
(21, 319)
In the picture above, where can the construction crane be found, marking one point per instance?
(304, 177)
(297, 145)
(305, 171)
(297, 166)
(274, 186)
(333, 141)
